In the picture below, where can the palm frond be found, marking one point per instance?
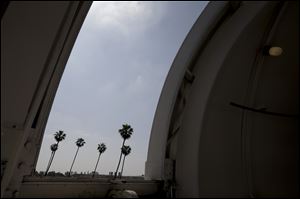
(54, 147)
(80, 142)
(126, 150)
(126, 131)
(101, 148)
(59, 136)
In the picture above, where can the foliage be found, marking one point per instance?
(80, 142)
(126, 150)
(101, 148)
(59, 136)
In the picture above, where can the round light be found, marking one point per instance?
(275, 51)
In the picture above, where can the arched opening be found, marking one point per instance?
(114, 75)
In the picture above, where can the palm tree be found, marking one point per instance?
(101, 148)
(126, 133)
(53, 148)
(80, 142)
(125, 151)
(58, 136)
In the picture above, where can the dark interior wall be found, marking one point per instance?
(225, 150)
(274, 139)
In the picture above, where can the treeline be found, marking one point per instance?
(82, 174)
(67, 174)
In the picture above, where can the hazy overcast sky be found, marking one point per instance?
(114, 75)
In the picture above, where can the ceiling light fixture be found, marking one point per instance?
(272, 51)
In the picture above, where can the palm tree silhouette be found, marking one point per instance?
(53, 148)
(125, 151)
(58, 136)
(126, 133)
(79, 143)
(101, 148)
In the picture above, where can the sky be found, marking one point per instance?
(114, 75)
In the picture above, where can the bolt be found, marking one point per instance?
(20, 165)
(27, 144)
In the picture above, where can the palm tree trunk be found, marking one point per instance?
(50, 161)
(73, 161)
(119, 160)
(48, 166)
(96, 164)
(122, 166)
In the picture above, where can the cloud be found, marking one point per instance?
(114, 75)
(107, 89)
(125, 16)
(80, 133)
(136, 86)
